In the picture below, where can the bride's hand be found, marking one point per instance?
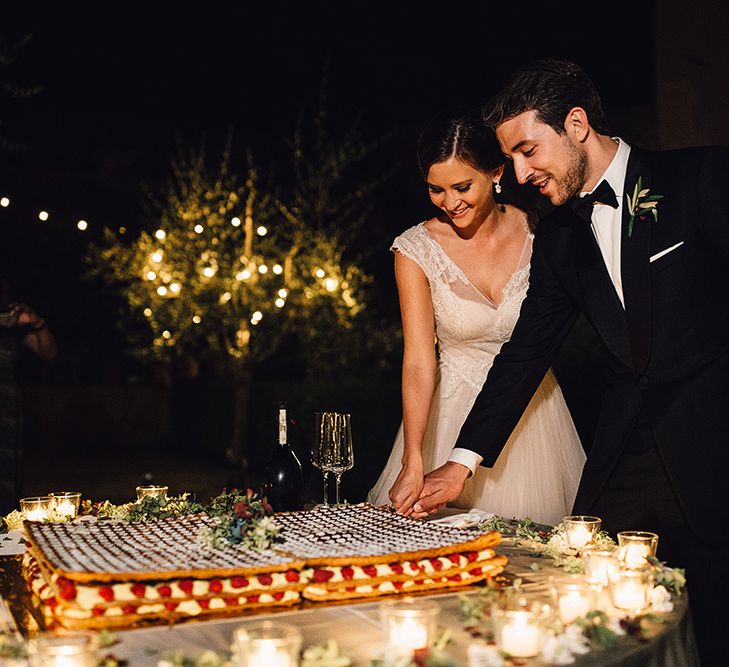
(407, 488)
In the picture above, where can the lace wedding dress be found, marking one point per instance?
(537, 472)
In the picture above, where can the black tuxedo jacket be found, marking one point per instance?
(667, 351)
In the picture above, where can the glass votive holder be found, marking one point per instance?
(634, 547)
(36, 508)
(63, 649)
(268, 644)
(598, 563)
(151, 490)
(66, 503)
(572, 596)
(580, 531)
(410, 624)
(520, 628)
(630, 589)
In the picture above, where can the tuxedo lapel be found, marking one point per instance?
(602, 303)
(635, 264)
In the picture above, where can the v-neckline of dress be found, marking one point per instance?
(464, 277)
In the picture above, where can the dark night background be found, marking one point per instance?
(120, 87)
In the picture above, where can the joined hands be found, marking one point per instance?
(439, 487)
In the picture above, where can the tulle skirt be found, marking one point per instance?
(536, 474)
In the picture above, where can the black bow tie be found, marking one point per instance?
(602, 194)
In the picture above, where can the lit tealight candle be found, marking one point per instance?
(268, 654)
(520, 636)
(75, 649)
(634, 555)
(409, 623)
(630, 596)
(598, 564)
(151, 490)
(580, 531)
(36, 508)
(408, 635)
(268, 644)
(572, 605)
(66, 503)
(572, 595)
(630, 589)
(635, 546)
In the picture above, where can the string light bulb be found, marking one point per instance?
(263, 269)
(43, 215)
(319, 273)
(157, 256)
(261, 231)
(175, 288)
(4, 202)
(283, 292)
(235, 222)
(160, 234)
(198, 229)
(82, 225)
(280, 303)
(277, 269)
(331, 284)
(162, 290)
(208, 271)
(196, 319)
(151, 275)
(147, 312)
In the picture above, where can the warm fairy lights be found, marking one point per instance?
(222, 263)
(82, 225)
(43, 215)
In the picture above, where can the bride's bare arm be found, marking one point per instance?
(418, 377)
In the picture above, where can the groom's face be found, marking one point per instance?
(548, 160)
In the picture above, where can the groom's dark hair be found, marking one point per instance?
(551, 88)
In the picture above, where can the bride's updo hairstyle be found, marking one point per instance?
(464, 137)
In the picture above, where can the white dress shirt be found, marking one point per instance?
(606, 226)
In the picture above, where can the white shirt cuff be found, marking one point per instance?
(467, 458)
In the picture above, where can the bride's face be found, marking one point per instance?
(463, 192)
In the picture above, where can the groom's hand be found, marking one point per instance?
(441, 486)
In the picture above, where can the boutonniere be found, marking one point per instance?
(641, 204)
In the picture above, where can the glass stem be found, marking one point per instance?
(337, 478)
(326, 489)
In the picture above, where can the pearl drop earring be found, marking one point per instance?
(497, 187)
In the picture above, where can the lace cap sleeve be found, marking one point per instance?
(412, 244)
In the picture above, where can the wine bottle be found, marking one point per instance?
(283, 482)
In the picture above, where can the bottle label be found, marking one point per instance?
(282, 427)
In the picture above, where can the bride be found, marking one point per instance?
(461, 278)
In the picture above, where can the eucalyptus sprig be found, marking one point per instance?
(596, 626)
(673, 578)
(12, 649)
(325, 655)
(154, 508)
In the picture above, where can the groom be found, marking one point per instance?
(639, 243)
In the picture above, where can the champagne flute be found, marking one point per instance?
(338, 454)
(324, 422)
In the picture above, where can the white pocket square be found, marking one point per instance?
(658, 255)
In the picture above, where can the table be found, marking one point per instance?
(356, 626)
